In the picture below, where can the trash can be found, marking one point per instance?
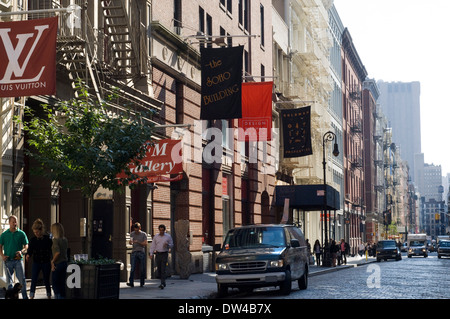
(207, 252)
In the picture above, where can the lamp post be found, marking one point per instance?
(328, 136)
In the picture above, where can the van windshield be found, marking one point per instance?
(255, 237)
(415, 243)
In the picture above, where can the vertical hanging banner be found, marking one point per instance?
(221, 83)
(256, 122)
(297, 132)
(28, 57)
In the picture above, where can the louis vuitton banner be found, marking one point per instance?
(28, 57)
(297, 132)
(221, 83)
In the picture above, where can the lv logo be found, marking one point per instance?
(14, 54)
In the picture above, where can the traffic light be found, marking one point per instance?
(389, 217)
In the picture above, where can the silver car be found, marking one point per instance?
(444, 248)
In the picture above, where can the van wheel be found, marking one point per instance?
(303, 280)
(286, 285)
(222, 290)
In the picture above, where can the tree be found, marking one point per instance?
(83, 145)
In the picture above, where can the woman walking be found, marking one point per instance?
(40, 250)
(59, 261)
(318, 251)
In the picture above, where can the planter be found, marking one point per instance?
(97, 282)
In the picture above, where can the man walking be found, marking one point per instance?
(343, 249)
(160, 247)
(13, 245)
(138, 239)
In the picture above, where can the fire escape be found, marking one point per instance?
(115, 55)
(124, 56)
(356, 130)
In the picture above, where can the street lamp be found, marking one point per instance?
(328, 136)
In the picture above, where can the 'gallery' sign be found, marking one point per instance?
(28, 57)
(162, 159)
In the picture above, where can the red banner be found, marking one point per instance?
(256, 121)
(163, 158)
(28, 57)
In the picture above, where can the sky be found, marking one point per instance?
(405, 41)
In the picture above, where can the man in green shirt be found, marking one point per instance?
(13, 245)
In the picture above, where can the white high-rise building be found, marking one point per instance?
(400, 102)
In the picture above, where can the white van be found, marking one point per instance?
(417, 245)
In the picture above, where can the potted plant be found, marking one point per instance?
(100, 279)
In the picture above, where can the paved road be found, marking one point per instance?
(410, 278)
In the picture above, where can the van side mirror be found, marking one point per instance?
(217, 247)
(295, 243)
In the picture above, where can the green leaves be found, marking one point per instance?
(82, 144)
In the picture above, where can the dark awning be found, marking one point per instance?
(307, 197)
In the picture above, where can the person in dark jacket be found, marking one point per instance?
(40, 250)
(334, 250)
(318, 251)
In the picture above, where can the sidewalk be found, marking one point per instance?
(200, 286)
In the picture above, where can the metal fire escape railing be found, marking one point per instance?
(103, 59)
(124, 43)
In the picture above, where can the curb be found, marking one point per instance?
(332, 269)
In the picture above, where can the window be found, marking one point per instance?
(201, 22)
(228, 4)
(205, 28)
(261, 10)
(246, 14)
(246, 62)
(6, 198)
(240, 12)
(226, 37)
(177, 16)
(226, 203)
(243, 13)
(209, 31)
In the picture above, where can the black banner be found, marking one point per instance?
(221, 83)
(297, 132)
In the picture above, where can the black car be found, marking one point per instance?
(261, 256)
(444, 248)
(387, 249)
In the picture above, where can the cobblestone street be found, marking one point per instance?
(409, 278)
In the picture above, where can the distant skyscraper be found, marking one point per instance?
(400, 102)
(433, 182)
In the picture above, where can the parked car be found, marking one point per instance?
(444, 248)
(261, 256)
(388, 249)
